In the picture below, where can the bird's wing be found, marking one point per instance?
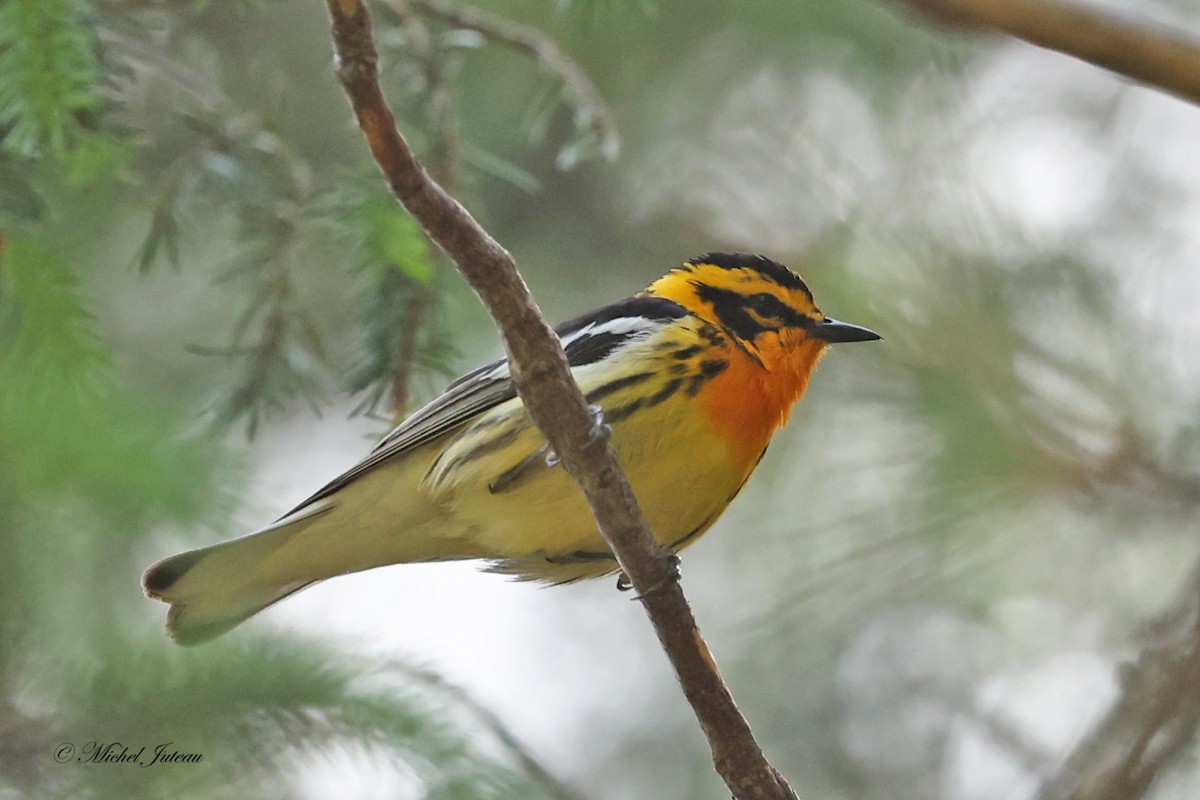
(586, 340)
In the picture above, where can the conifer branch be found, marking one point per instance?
(444, 169)
(1157, 714)
(1155, 718)
(583, 93)
(558, 408)
(1153, 722)
(1165, 58)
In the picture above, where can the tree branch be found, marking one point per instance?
(444, 161)
(1156, 715)
(587, 99)
(1153, 720)
(1154, 55)
(558, 408)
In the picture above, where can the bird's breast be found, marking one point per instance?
(748, 401)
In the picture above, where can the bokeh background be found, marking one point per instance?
(933, 587)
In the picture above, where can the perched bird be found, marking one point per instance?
(693, 375)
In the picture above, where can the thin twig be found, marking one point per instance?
(406, 360)
(587, 99)
(441, 108)
(558, 408)
(444, 167)
(1155, 718)
(1166, 58)
(1153, 721)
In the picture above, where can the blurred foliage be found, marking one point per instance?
(926, 591)
(47, 55)
(48, 341)
(131, 135)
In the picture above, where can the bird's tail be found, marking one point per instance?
(213, 589)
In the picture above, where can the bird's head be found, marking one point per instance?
(759, 303)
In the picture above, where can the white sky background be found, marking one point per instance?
(537, 656)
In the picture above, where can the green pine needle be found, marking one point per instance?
(48, 75)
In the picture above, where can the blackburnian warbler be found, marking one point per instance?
(693, 375)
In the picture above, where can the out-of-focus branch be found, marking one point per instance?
(402, 375)
(1165, 58)
(1153, 720)
(558, 408)
(1157, 714)
(444, 167)
(555, 788)
(586, 98)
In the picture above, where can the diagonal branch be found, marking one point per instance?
(1161, 57)
(558, 408)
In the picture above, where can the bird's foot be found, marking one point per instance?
(600, 431)
(600, 428)
(673, 576)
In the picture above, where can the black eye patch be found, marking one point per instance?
(768, 306)
(733, 309)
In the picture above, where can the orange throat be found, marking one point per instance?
(749, 401)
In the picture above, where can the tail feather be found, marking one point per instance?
(213, 589)
(368, 523)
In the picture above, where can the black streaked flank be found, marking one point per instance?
(612, 416)
(708, 370)
(671, 387)
(688, 352)
(601, 392)
(619, 413)
(768, 268)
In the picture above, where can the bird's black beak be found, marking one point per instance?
(833, 331)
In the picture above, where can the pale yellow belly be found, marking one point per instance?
(538, 525)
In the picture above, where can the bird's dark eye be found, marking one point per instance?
(766, 305)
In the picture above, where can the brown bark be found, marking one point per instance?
(1157, 56)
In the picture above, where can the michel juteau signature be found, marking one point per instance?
(117, 753)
